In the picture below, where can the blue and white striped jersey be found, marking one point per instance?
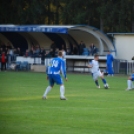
(56, 66)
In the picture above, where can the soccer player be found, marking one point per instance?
(94, 65)
(53, 75)
(130, 82)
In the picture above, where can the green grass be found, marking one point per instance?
(88, 110)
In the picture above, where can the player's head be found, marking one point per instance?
(96, 57)
(109, 51)
(60, 54)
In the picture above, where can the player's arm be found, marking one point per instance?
(47, 72)
(112, 58)
(90, 65)
(63, 70)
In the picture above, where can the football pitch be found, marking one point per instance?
(88, 110)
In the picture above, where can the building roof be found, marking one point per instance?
(120, 33)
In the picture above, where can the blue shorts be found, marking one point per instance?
(132, 77)
(55, 78)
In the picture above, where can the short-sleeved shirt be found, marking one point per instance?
(95, 67)
(56, 66)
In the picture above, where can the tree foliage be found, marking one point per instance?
(108, 15)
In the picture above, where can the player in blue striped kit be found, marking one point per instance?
(130, 82)
(53, 75)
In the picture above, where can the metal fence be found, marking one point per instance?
(130, 67)
(123, 66)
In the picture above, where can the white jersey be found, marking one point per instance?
(95, 67)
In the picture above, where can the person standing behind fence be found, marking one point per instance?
(80, 48)
(11, 53)
(42, 54)
(75, 50)
(93, 49)
(110, 63)
(3, 61)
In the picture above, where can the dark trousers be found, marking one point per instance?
(42, 59)
(3, 66)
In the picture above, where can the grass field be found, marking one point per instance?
(88, 110)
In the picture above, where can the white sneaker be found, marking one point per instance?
(98, 87)
(63, 98)
(128, 89)
(44, 97)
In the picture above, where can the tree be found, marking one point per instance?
(108, 15)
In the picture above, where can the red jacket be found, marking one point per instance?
(3, 58)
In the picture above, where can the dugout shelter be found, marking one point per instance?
(43, 35)
(25, 36)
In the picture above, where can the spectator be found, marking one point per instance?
(18, 52)
(49, 54)
(75, 50)
(15, 54)
(85, 51)
(63, 47)
(3, 61)
(42, 54)
(26, 53)
(56, 52)
(80, 47)
(68, 51)
(36, 51)
(6, 50)
(63, 54)
(31, 51)
(14, 50)
(10, 54)
(93, 49)
(53, 47)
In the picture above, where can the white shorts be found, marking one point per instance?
(96, 75)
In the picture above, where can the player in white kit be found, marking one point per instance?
(94, 65)
(130, 82)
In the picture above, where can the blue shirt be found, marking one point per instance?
(110, 58)
(56, 66)
(132, 75)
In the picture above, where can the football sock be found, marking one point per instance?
(96, 82)
(104, 81)
(62, 91)
(132, 85)
(129, 84)
(48, 89)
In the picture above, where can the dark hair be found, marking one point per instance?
(60, 53)
(96, 55)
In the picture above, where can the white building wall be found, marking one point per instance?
(124, 46)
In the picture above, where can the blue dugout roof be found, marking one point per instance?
(35, 28)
